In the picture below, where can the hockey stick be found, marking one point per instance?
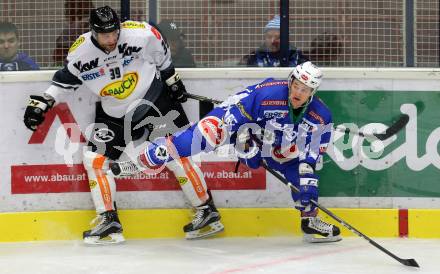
(203, 98)
(390, 131)
(408, 262)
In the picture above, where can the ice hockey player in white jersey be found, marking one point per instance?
(123, 64)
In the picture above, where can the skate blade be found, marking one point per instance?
(209, 230)
(311, 238)
(114, 238)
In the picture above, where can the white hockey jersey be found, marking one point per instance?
(119, 77)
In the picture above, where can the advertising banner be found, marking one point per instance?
(42, 170)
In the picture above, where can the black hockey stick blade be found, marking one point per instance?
(202, 98)
(407, 262)
(390, 131)
(394, 128)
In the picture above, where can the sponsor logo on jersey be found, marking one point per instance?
(182, 180)
(269, 84)
(77, 43)
(275, 114)
(110, 58)
(317, 117)
(274, 103)
(127, 61)
(243, 111)
(133, 25)
(121, 89)
(127, 50)
(307, 125)
(86, 66)
(93, 75)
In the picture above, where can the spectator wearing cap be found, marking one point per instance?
(268, 54)
(181, 56)
(10, 58)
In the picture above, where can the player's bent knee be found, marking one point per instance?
(93, 160)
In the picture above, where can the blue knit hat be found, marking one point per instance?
(273, 24)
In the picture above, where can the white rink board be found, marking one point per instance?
(16, 150)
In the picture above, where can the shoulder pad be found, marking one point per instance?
(76, 44)
(319, 112)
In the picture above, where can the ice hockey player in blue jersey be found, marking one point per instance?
(280, 122)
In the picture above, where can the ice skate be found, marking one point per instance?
(108, 230)
(206, 222)
(317, 231)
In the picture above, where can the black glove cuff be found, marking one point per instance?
(40, 102)
(167, 73)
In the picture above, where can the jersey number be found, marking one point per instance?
(115, 73)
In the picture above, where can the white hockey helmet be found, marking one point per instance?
(308, 74)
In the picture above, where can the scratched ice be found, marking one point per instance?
(223, 255)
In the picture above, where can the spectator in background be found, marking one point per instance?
(77, 15)
(181, 56)
(10, 58)
(268, 54)
(325, 49)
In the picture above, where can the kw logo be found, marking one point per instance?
(128, 50)
(121, 89)
(86, 66)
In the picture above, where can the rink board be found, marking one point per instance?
(42, 170)
(405, 176)
(249, 222)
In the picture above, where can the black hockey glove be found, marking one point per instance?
(175, 84)
(34, 114)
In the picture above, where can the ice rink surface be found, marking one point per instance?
(222, 255)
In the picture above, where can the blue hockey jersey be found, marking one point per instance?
(287, 139)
